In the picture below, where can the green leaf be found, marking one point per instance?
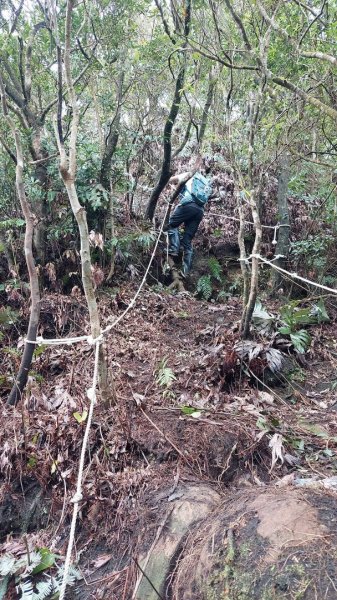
(262, 424)
(191, 412)
(187, 410)
(315, 429)
(165, 376)
(215, 268)
(196, 414)
(284, 330)
(39, 350)
(261, 313)
(301, 340)
(319, 311)
(47, 560)
(11, 223)
(80, 418)
(31, 463)
(204, 287)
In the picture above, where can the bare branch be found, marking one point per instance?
(165, 23)
(17, 16)
(328, 110)
(312, 22)
(320, 55)
(214, 57)
(240, 25)
(8, 150)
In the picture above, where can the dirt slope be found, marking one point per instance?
(171, 352)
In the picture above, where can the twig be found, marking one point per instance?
(27, 549)
(165, 436)
(63, 507)
(146, 577)
(159, 530)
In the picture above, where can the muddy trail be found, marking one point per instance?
(206, 476)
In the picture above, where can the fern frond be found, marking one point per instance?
(73, 576)
(146, 238)
(44, 589)
(204, 287)
(215, 268)
(3, 586)
(7, 565)
(34, 561)
(26, 588)
(165, 375)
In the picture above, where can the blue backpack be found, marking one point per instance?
(197, 189)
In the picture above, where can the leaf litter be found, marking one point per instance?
(207, 407)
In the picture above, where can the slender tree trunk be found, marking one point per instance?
(185, 140)
(255, 208)
(205, 112)
(98, 118)
(243, 257)
(112, 139)
(68, 174)
(249, 308)
(165, 173)
(81, 219)
(8, 252)
(26, 360)
(41, 207)
(241, 235)
(112, 235)
(283, 241)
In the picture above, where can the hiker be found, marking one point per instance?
(189, 212)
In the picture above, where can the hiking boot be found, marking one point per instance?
(187, 262)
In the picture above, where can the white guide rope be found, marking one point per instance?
(91, 393)
(275, 227)
(293, 274)
(41, 341)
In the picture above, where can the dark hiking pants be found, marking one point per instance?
(191, 215)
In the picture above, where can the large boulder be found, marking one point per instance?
(255, 544)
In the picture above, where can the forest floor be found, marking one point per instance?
(182, 409)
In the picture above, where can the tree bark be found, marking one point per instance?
(26, 360)
(8, 252)
(68, 174)
(112, 233)
(112, 139)
(41, 208)
(185, 140)
(249, 308)
(283, 241)
(243, 258)
(205, 112)
(165, 173)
